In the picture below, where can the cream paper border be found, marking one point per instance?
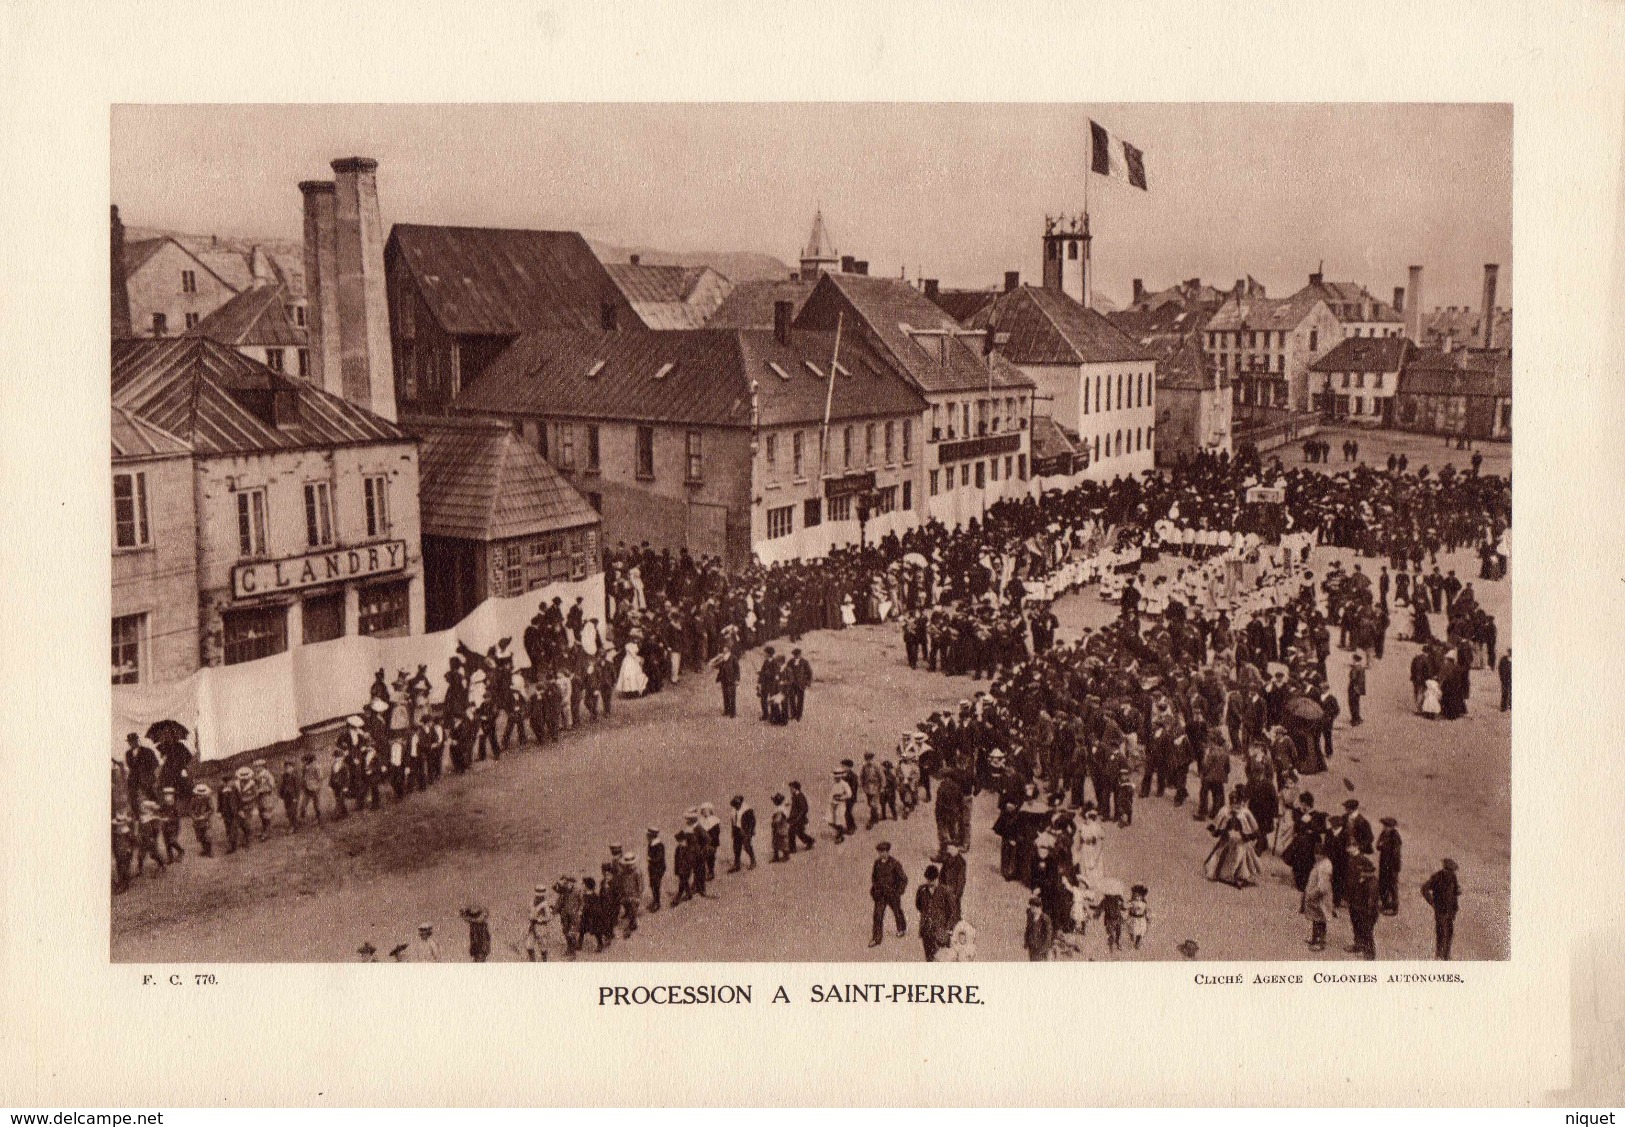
(75, 1031)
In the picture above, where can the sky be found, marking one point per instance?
(957, 192)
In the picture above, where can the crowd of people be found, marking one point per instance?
(1223, 661)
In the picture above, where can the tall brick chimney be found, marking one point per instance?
(931, 287)
(1413, 317)
(1399, 299)
(783, 314)
(119, 282)
(366, 364)
(1012, 281)
(1492, 273)
(321, 286)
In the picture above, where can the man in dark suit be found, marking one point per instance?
(886, 884)
(767, 678)
(797, 676)
(744, 832)
(952, 873)
(1443, 892)
(656, 856)
(800, 815)
(728, 678)
(935, 904)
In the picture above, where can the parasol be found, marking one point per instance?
(1305, 709)
(167, 730)
(916, 559)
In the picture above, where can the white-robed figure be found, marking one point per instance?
(589, 637)
(635, 578)
(1234, 859)
(1091, 850)
(632, 680)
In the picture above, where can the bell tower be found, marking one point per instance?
(1066, 256)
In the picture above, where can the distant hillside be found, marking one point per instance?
(736, 266)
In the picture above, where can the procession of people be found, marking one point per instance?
(1213, 677)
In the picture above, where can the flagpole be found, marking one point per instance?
(829, 401)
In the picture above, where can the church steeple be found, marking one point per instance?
(819, 255)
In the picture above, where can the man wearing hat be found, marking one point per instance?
(655, 859)
(536, 925)
(123, 851)
(479, 934)
(202, 812)
(264, 795)
(936, 907)
(800, 816)
(568, 904)
(169, 811)
(288, 789)
(1356, 687)
(851, 778)
(1388, 862)
(767, 679)
(628, 889)
(798, 675)
(1443, 894)
(887, 881)
(871, 779)
(310, 788)
(743, 831)
(727, 663)
(230, 803)
(953, 873)
(148, 830)
(424, 949)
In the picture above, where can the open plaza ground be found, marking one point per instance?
(488, 837)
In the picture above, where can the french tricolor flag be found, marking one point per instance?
(1112, 156)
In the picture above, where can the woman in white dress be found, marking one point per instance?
(632, 680)
(1091, 850)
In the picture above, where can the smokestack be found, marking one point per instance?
(1316, 278)
(1413, 319)
(1012, 281)
(848, 264)
(1492, 272)
(119, 282)
(931, 289)
(861, 267)
(782, 312)
(1139, 290)
(1399, 299)
(321, 286)
(367, 368)
(634, 259)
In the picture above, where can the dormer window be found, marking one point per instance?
(813, 368)
(779, 371)
(664, 370)
(598, 366)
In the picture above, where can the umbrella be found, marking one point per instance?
(167, 730)
(915, 558)
(1305, 709)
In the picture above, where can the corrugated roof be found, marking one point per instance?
(256, 317)
(692, 377)
(1048, 327)
(478, 480)
(210, 396)
(500, 282)
(750, 304)
(1283, 314)
(1364, 354)
(134, 438)
(906, 326)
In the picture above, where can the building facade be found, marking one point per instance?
(1265, 348)
(1466, 393)
(259, 323)
(1356, 382)
(171, 289)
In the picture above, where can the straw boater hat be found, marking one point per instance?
(354, 721)
(245, 772)
(473, 914)
(201, 790)
(425, 929)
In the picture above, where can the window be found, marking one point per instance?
(993, 469)
(596, 500)
(130, 528)
(1097, 447)
(908, 441)
(781, 522)
(129, 642)
(840, 508)
(383, 610)
(377, 494)
(1085, 395)
(191, 320)
(248, 635)
(160, 324)
(1345, 380)
(869, 445)
(188, 281)
(981, 475)
(891, 429)
(541, 440)
(1314, 340)
(298, 312)
(1359, 379)
(1007, 467)
(846, 441)
(1119, 391)
(324, 617)
(1355, 404)
(1119, 449)
(567, 446)
(1072, 250)
(273, 359)
(304, 365)
(797, 465)
(936, 421)
(646, 453)
(812, 513)
(318, 513)
(964, 475)
(965, 409)
(934, 485)
(694, 463)
(592, 447)
(1021, 466)
(908, 496)
(1376, 381)
(886, 499)
(770, 450)
(251, 524)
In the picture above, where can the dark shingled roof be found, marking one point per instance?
(962, 305)
(135, 438)
(490, 281)
(1364, 354)
(1274, 314)
(889, 308)
(1169, 318)
(218, 401)
(1183, 366)
(666, 297)
(691, 377)
(1050, 439)
(257, 317)
(1337, 295)
(750, 304)
(1471, 372)
(478, 480)
(1047, 327)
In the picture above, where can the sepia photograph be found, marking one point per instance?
(839, 532)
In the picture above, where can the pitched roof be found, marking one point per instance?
(907, 327)
(255, 317)
(670, 297)
(137, 254)
(478, 480)
(1168, 318)
(818, 242)
(1348, 300)
(135, 438)
(500, 282)
(1472, 372)
(1271, 313)
(1050, 439)
(962, 305)
(1364, 354)
(749, 305)
(1466, 326)
(1048, 327)
(219, 401)
(691, 377)
(1183, 366)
